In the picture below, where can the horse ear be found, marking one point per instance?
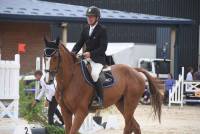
(57, 41)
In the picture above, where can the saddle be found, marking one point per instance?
(105, 76)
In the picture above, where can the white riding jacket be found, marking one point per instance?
(48, 90)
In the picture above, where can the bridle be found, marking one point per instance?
(53, 51)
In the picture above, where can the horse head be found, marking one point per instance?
(54, 53)
(51, 59)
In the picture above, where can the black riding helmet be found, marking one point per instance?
(93, 11)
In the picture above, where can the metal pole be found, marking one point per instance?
(84, 46)
(173, 40)
(199, 49)
(182, 85)
(64, 33)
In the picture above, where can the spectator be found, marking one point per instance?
(197, 74)
(169, 82)
(189, 76)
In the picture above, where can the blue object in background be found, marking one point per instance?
(30, 90)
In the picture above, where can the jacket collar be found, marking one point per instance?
(93, 27)
(94, 31)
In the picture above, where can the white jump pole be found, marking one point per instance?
(43, 66)
(37, 67)
(16, 109)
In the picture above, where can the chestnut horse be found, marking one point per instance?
(74, 94)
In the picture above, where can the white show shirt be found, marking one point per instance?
(96, 67)
(92, 29)
(48, 90)
(189, 76)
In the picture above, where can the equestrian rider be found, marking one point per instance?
(94, 36)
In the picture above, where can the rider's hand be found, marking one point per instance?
(86, 55)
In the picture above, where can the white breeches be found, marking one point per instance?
(96, 69)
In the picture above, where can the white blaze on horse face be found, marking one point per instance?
(47, 67)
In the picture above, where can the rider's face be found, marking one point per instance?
(91, 20)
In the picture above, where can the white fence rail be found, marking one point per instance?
(191, 86)
(9, 87)
(176, 96)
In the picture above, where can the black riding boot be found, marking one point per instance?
(98, 86)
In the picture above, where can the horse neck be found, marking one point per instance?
(66, 69)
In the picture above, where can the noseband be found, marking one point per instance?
(50, 52)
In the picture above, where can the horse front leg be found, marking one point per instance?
(66, 113)
(67, 117)
(78, 120)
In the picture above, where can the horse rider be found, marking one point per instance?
(94, 36)
(49, 91)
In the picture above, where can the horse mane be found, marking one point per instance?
(75, 59)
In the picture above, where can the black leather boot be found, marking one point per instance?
(99, 91)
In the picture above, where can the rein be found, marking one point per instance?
(53, 72)
(80, 58)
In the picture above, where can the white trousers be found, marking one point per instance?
(96, 69)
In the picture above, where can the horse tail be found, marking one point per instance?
(156, 96)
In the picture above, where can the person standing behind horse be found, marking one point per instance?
(94, 36)
(189, 76)
(169, 82)
(49, 90)
(197, 75)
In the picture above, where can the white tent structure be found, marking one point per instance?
(126, 53)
